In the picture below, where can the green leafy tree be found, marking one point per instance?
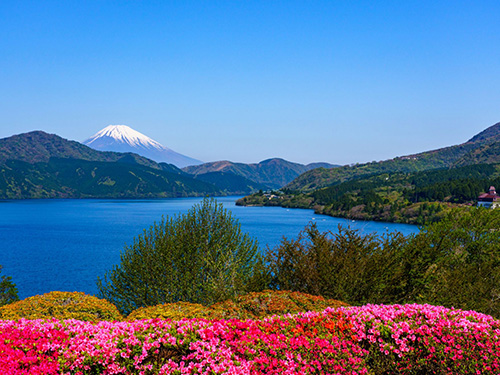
(200, 257)
(344, 265)
(8, 290)
(456, 262)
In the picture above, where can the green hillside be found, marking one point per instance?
(482, 148)
(73, 178)
(414, 198)
(38, 146)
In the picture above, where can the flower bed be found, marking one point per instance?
(373, 339)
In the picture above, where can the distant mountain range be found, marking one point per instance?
(268, 174)
(41, 165)
(121, 138)
(272, 173)
(482, 148)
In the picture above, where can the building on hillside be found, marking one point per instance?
(490, 199)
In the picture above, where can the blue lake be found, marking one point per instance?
(65, 245)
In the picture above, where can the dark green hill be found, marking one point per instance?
(479, 149)
(38, 146)
(73, 178)
(272, 173)
(41, 165)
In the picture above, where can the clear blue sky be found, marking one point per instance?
(336, 81)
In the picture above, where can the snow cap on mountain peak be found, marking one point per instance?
(127, 135)
(122, 138)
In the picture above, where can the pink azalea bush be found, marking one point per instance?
(372, 339)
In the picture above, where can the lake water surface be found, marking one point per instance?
(64, 245)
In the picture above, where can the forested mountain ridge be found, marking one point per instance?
(41, 165)
(77, 178)
(488, 135)
(413, 198)
(29, 165)
(271, 173)
(481, 148)
(38, 146)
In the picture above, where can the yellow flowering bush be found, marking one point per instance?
(174, 311)
(61, 305)
(249, 306)
(272, 302)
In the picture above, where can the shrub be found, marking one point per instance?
(8, 290)
(198, 257)
(173, 311)
(453, 263)
(270, 302)
(61, 305)
(456, 262)
(249, 306)
(345, 265)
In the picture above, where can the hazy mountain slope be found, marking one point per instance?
(446, 157)
(121, 138)
(273, 173)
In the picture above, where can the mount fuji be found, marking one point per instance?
(121, 138)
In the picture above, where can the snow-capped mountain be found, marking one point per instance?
(121, 138)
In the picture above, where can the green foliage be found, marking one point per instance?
(415, 198)
(454, 263)
(347, 265)
(8, 290)
(61, 305)
(199, 257)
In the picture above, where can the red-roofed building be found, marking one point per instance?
(490, 199)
